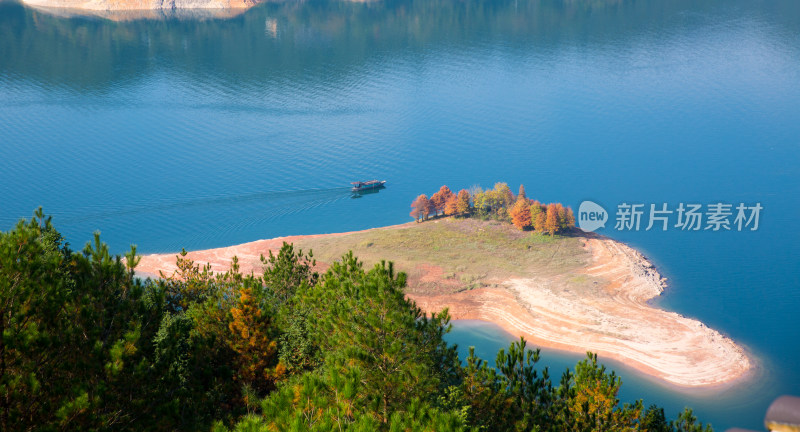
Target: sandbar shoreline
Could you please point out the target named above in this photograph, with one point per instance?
(610, 314)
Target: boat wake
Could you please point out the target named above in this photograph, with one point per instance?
(279, 203)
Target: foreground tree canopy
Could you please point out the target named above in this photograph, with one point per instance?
(86, 345)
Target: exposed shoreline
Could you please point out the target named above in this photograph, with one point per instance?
(621, 324)
(135, 9)
(612, 317)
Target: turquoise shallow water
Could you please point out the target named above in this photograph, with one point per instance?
(203, 133)
(723, 407)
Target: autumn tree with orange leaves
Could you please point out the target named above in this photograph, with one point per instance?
(439, 200)
(521, 214)
(462, 202)
(538, 216)
(561, 214)
(421, 208)
(567, 220)
(551, 220)
(252, 339)
(451, 206)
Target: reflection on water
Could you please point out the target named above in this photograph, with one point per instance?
(329, 37)
(362, 193)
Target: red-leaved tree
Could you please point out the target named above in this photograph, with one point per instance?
(420, 208)
(439, 199)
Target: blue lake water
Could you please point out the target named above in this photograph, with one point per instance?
(209, 132)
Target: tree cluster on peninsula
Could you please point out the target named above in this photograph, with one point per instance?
(496, 203)
(88, 345)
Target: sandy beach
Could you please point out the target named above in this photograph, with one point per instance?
(600, 305)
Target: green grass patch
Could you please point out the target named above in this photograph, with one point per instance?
(468, 250)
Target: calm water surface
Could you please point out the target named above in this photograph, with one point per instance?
(209, 132)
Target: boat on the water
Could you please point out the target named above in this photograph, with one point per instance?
(367, 185)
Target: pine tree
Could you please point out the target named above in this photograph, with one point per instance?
(32, 320)
(188, 283)
(75, 326)
(654, 420)
(687, 422)
(521, 194)
(298, 352)
(365, 319)
(286, 272)
(594, 404)
(252, 339)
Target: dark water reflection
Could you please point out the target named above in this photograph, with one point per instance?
(316, 38)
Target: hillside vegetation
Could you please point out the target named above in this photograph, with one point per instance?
(86, 345)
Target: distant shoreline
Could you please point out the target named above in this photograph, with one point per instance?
(594, 299)
(123, 10)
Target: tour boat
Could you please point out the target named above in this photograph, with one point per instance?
(367, 185)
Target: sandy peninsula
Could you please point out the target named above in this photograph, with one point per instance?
(582, 292)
